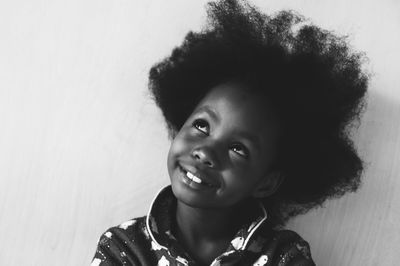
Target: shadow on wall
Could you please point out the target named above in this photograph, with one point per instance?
(358, 229)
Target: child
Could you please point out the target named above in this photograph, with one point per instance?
(259, 116)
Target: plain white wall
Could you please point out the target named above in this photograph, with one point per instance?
(82, 146)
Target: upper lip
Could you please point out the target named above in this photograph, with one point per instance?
(204, 177)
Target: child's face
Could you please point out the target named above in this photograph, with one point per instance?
(223, 152)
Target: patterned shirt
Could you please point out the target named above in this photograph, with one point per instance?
(148, 241)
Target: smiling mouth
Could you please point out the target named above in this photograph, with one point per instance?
(195, 178)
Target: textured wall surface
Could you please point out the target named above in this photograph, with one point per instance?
(82, 146)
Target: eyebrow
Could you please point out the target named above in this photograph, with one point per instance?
(207, 109)
(243, 134)
(250, 137)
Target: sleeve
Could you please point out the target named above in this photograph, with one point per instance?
(296, 254)
(287, 248)
(111, 250)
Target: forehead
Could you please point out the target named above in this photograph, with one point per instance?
(239, 109)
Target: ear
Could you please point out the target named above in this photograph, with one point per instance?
(268, 185)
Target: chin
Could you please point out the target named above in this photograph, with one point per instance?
(187, 197)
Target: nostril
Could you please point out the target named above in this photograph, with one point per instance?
(208, 163)
(203, 156)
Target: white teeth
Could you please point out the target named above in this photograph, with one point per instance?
(193, 177)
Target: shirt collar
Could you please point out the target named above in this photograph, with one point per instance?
(161, 214)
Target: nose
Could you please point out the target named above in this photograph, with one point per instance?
(206, 156)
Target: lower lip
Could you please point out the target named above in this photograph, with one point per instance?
(190, 183)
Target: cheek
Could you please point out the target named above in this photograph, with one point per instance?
(242, 179)
(237, 190)
(170, 158)
(235, 178)
(179, 146)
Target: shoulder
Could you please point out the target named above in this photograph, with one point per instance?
(122, 243)
(284, 247)
(127, 230)
(286, 236)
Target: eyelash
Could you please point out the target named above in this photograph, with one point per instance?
(201, 123)
(245, 153)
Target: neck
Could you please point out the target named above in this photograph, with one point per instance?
(206, 233)
(198, 225)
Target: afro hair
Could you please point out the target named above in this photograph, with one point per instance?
(311, 76)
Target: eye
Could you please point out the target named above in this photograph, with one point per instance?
(202, 126)
(240, 149)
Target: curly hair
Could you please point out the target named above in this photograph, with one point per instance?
(311, 76)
